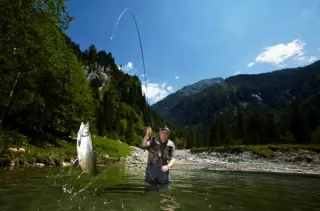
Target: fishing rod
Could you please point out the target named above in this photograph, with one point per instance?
(141, 50)
(144, 74)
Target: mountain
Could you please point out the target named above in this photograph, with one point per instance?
(164, 106)
(200, 86)
(253, 108)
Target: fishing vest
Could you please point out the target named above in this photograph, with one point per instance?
(160, 153)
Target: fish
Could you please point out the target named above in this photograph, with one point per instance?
(86, 156)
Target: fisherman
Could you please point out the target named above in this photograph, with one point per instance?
(161, 156)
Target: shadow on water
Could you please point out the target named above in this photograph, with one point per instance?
(133, 189)
(257, 173)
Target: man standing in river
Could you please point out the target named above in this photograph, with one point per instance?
(161, 156)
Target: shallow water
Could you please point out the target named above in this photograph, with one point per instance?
(123, 189)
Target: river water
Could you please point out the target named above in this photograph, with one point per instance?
(119, 188)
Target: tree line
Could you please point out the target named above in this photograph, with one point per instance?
(271, 108)
(48, 85)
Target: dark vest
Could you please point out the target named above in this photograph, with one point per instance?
(159, 153)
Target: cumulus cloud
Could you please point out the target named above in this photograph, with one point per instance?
(156, 92)
(278, 54)
(170, 88)
(177, 77)
(126, 68)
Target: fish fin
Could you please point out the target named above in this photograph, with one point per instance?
(76, 161)
(81, 126)
(78, 140)
(95, 154)
(78, 135)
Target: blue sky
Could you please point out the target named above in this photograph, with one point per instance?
(185, 41)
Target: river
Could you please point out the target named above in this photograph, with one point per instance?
(120, 188)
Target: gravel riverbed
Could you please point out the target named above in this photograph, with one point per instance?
(293, 161)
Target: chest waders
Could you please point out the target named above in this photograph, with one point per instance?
(154, 174)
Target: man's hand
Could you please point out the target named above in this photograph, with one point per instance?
(145, 142)
(148, 132)
(164, 168)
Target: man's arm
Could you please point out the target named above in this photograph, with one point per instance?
(172, 162)
(145, 141)
(173, 158)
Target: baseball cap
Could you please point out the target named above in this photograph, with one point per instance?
(165, 128)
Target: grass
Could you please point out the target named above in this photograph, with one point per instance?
(262, 150)
(62, 151)
(113, 148)
(47, 154)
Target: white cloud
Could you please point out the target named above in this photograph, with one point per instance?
(236, 73)
(156, 92)
(177, 77)
(170, 88)
(278, 54)
(130, 65)
(127, 67)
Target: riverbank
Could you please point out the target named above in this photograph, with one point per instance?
(61, 153)
(302, 159)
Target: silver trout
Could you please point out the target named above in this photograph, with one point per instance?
(87, 157)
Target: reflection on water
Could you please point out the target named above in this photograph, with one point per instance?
(123, 189)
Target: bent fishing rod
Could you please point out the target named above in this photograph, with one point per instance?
(141, 49)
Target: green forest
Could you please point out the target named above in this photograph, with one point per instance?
(48, 85)
(279, 107)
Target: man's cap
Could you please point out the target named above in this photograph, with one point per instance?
(165, 128)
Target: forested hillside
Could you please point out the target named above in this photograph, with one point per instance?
(48, 85)
(163, 107)
(276, 107)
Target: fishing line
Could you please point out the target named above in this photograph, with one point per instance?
(141, 49)
(142, 55)
(94, 178)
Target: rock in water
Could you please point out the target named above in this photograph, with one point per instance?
(86, 156)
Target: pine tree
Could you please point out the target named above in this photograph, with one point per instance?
(299, 125)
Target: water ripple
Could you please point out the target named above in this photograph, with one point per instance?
(54, 188)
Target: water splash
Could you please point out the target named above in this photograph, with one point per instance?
(92, 181)
(79, 175)
(169, 203)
